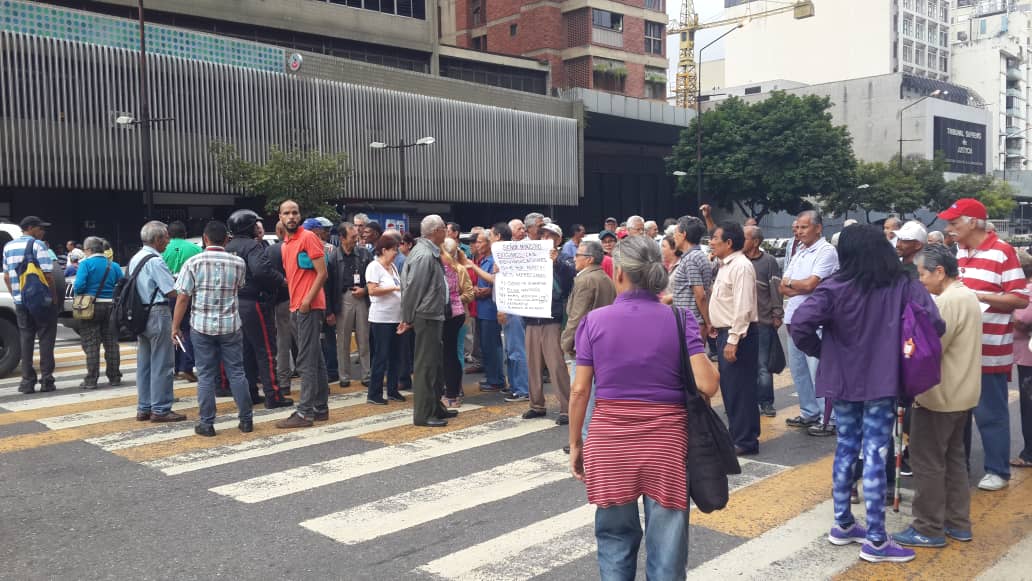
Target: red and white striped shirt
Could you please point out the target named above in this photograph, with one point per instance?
(993, 268)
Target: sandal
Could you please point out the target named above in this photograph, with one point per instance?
(1020, 463)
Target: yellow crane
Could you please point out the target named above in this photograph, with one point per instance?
(687, 86)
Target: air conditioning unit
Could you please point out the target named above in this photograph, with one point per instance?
(962, 36)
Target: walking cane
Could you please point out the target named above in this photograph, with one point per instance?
(899, 456)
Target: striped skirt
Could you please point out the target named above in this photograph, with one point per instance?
(635, 448)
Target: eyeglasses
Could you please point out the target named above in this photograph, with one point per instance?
(584, 255)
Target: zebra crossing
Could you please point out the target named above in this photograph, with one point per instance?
(489, 497)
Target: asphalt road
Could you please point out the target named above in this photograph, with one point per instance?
(89, 493)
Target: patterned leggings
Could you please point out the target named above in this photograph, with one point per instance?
(866, 423)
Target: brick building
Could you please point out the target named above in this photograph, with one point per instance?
(613, 46)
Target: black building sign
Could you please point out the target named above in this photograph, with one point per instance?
(962, 143)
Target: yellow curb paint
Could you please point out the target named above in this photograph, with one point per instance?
(771, 502)
(771, 428)
(1000, 519)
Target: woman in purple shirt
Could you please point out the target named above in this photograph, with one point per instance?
(636, 442)
(860, 311)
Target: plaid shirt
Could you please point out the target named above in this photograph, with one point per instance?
(212, 279)
(693, 270)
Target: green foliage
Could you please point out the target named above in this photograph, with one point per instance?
(890, 187)
(311, 178)
(996, 195)
(768, 156)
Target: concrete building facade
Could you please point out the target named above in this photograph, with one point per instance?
(844, 40)
(606, 45)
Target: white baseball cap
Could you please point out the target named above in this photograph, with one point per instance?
(913, 231)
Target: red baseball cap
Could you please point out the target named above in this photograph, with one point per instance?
(969, 207)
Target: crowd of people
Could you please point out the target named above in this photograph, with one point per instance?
(241, 316)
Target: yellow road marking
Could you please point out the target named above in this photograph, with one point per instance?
(1000, 519)
(771, 428)
(86, 406)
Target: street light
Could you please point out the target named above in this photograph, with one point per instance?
(698, 116)
(401, 147)
(126, 120)
(934, 93)
(680, 173)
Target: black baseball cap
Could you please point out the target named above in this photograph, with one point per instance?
(605, 234)
(32, 221)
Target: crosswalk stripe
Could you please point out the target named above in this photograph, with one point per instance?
(256, 448)
(133, 438)
(1013, 566)
(553, 542)
(79, 419)
(416, 507)
(69, 398)
(345, 468)
(84, 406)
(70, 382)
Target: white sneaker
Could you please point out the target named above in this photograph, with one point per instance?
(992, 482)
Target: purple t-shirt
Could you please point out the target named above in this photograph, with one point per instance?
(631, 345)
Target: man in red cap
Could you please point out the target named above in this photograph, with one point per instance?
(990, 267)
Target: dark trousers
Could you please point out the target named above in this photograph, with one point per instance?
(310, 365)
(184, 358)
(328, 343)
(738, 388)
(406, 359)
(258, 326)
(28, 329)
(1025, 393)
(766, 335)
(96, 332)
(427, 371)
(385, 351)
(942, 497)
(452, 365)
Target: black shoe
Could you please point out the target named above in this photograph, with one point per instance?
(821, 430)
(333, 379)
(27, 388)
(740, 451)
(396, 397)
(345, 382)
(365, 382)
(205, 430)
(294, 374)
(47, 387)
(905, 469)
(223, 393)
(246, 426)
(450, 414)
(566, 448)
(259, 399)
(563, 420)
(85, 385)
(376, 401)
(115, 382)
(433, 423)
(531, 414)
(281, 402)
(801, 422)
(768, 410)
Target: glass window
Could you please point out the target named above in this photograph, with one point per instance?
(920, 34)
(933, 33)
(944, 38)
(919, 57)
(908, 25)
(653, 37)
(908, 4)
(944, 63)
(607, 20)
(908, 53)
(944, 12)
(933, 8)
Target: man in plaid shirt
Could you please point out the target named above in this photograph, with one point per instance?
(208, 285)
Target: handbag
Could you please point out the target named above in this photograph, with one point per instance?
(776, 361)
(84, 306)
(711, 452)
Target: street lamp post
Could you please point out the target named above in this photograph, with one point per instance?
(147, 167)
(698, 117)
(934, 93)
(401, 146)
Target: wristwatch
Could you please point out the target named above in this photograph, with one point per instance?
(788, 283)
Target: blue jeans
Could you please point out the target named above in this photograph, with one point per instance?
(767, 335)
(491, 348)
(516, 355)
(618, 532)
(385, 349)
(185, 359)
(228, 350)
(154, 362)
(804, 373)
(867, 424)
(992, 416)
(462, 346)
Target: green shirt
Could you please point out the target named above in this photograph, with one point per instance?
(178, 252)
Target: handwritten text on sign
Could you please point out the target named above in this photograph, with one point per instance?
(523, 284)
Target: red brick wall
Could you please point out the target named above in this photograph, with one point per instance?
(634, 85)
(633, 35)
(578, 28)
(577, 73)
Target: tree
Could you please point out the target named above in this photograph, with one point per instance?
(890, 188)
(313, 179)
(768, 156)
(996, 195)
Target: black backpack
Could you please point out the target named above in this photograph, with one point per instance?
(130, 313)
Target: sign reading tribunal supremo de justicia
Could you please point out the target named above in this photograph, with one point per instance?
(962, 143)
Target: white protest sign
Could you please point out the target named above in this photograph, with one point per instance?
(523, 283)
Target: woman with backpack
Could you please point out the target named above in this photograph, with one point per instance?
(853, 321)
(97, 277)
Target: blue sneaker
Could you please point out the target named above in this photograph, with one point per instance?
(887, 552)
(853, 534)
(957, 535)
(912, 538)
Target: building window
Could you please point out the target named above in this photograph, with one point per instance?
(944, 12)
(908, 53)
(653, 37)
(920, 30)
(656, 5)
(753, 90)
(932, 8)
(607, 20)
(908, 4)
(655, 83)
(908, 25)
(608, 75)
(933, 34)
(944, 64)
(512, 30)
(407, 8)
(480, 42)
(919, 57)
(919, 7)
(944, 38)
(495, 75)
(476, 8)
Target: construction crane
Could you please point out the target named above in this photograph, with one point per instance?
(687, 86)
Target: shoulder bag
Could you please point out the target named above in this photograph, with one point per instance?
(711, 452)
(83, 306)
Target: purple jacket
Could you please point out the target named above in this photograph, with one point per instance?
(859, 346)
